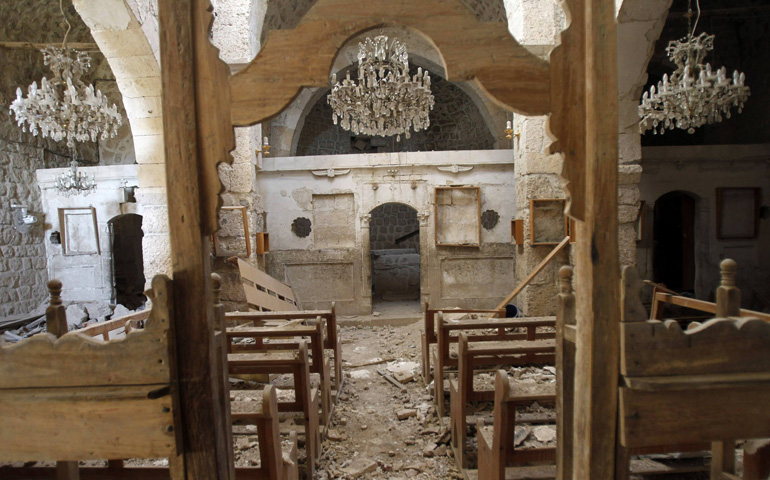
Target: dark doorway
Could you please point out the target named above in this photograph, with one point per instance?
(127, 260)
(674, 241)
(394, 233)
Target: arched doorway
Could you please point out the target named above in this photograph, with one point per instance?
(395, 252)
(127, 260)
(673, 253)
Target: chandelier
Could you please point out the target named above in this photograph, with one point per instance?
(386, 101)
(694, 94)
(75, 182)
(64, 108)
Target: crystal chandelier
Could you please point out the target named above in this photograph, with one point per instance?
(65, 108)
(75, 182)
(386, 100)
(694, 94)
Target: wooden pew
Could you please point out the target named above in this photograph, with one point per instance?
(429, 337)
(331, 335)
(313, 333)
(67, 396)
(673, 382)
(504, 329)
(660, 299)
(472, 355)
(496, 443)
(306, 399)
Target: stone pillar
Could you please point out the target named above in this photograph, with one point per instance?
(536, 25)
(125, 45)
(366, 262)
(425, 255)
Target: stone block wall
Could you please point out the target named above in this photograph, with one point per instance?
(392, 221)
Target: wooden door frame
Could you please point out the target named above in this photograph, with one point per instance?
(578, 87)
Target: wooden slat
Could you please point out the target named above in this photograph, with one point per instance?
(558, 248)
(86, 423)
(718, 346)
(264, 300)
(653, 418)
(100, 328)
(262, 279)
(701, 305)
(79, 360)
(697, 382)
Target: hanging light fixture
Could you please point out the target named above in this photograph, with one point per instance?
(386, 100)
(66, 109)
(695, 94)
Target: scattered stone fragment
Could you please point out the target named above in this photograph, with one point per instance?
(403, 377)
(360, 466)
(336, 436)
(429, 450)
(520, 435)
(405, 413)
(440, 451)
(544, 433)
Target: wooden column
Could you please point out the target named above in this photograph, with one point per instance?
(597, 270)
(56, 324)
(203, 445)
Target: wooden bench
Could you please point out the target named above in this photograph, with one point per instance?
(496, 443)
(312, 332)
(112, 419)
(502, 329)
(306, 399)
(709, 383)
(67, 396)
(472, 355)
(429, 336)
(331, 334)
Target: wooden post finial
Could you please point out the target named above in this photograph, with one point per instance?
(54, 288)
(216, 288)
(565, 279)
(729, 270)
(728, 295)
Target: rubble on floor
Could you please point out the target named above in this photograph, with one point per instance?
(79, 315)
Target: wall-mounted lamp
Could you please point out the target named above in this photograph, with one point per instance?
(129, 193)
(265, 148)
(22, 220)
(509, 131)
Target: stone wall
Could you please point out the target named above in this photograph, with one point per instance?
(699, 171)
(455, 124)
(23, 262)
(392, 221)
(321, 271)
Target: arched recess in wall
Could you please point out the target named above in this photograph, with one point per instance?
(456, 123)
(394, 235)
(127, 260)
(674, 230)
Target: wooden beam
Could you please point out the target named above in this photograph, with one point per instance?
(597, 270)
(558, 248)
(40, 46)
(203, 444)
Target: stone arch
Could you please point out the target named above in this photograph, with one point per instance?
(286, 128)
(526, 88)
(125, 45)
(456, 123)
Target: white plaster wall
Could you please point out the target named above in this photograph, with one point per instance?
(287, 186)
(86, 278)
(700, 171)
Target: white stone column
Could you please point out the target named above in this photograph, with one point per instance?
(425, 256)
(126, 47)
